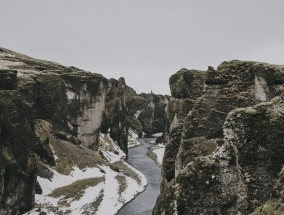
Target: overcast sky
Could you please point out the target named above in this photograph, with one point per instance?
(145, 41)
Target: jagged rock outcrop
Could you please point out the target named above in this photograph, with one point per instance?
(224, 156)
(17, 160)
(187, 86)
(115, 114)
(72, 101)
(153, 117)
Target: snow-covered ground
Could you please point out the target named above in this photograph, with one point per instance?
(137, 113)
(132, 139)
(151, 141)
(100, 190)
(158, 151)
(157, 135)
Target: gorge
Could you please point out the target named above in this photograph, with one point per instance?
(65, 133)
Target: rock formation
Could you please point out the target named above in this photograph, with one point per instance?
(72, 101)
(17, 160)
(46, 106)
(225, 153)
(154, 117)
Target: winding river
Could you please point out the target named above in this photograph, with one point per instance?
(143, 204)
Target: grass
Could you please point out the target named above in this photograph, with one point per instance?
(75, 190)
(127, 171)
(122, 183)
(93, 207)
(68, 154)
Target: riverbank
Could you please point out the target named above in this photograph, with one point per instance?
(101, 185)
(144, 202)
(156, 153)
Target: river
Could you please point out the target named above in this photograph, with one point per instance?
(144, 203)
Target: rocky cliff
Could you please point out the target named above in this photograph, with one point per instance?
(225, 153)
(70, 105)
(154, 115)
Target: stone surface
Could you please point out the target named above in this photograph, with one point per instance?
(17, 160)
(153, 117)
(73, 102)
(226, 155)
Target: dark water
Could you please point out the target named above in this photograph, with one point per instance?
(144, 203)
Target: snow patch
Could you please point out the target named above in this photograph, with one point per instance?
(137, 113)
(132, 139)
(110, 149)
(159, 151)
(261, 89)
(106, 193)
(157, 135)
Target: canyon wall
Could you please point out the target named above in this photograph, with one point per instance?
(71, 100)
(225, 153)
(72, 106)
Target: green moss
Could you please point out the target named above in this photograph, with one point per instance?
(271, 207)
(276, 100)
(250, 111)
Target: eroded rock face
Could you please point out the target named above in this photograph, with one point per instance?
(72, 101)
(227, 159)
(17, 160)
(153, 117)
(115, 116)
(178, 107)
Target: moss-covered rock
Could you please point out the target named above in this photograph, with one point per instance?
(230, 153)
(153, 116)
(17, 160)
(186, 83)
(8, 79)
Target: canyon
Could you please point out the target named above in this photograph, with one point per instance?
(65, 134)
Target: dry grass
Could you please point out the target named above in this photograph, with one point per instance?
(75, 190)
(127, 171)
(122, 183)
(68, 154)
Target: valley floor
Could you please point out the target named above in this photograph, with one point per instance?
(99, 189)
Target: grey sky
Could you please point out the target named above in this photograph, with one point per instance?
(146, 41)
